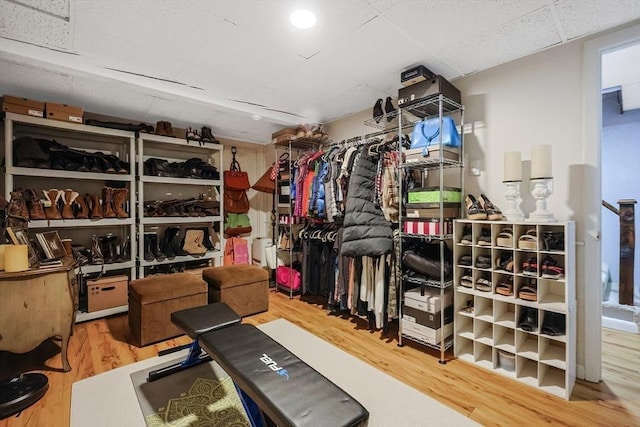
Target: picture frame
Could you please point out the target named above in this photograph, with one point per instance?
(55, 248)
(19, 236)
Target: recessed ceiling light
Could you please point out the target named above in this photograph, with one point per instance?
(256, 117)
(303, 19)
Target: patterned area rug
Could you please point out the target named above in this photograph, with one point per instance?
(203, 395)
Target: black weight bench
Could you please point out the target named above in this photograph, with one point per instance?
(286, 391)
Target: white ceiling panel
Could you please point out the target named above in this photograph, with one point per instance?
(270, 20)
(219, 62)
(582, 17)
(443, 24)
(24, 23)
(518, 38)
(58, 8)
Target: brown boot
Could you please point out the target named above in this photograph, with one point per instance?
(107, 203)
(52, 197)
(120, 196)
(96, 207)
(69, 198)
(34, 204)
(17, 206)
(83, 210)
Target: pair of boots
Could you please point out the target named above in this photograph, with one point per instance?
(164, 128)
(112, 204)
(106, 250)
(166, 248)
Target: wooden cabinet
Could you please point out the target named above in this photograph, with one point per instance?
(36, 305)
(514, 300)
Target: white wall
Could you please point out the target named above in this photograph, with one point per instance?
(512, 107)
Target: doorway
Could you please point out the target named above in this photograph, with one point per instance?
(619, 147)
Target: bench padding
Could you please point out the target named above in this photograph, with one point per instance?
(198, 320)
(297, 396)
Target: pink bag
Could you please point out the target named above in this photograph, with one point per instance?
(240, 251)
(287, 276)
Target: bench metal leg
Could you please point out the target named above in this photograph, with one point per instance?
(252, 410)
(195, 357)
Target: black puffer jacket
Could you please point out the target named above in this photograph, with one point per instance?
(366, 231)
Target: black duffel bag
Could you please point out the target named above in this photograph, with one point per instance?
(428, 267)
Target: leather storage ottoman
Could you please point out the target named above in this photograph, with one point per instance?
(154, 298)
(244, 288)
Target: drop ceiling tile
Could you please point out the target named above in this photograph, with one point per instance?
(270, 20)
(59, 8)
(382, 5)
(518, 38)
(26, 24)
(348, 102)
(581, 17)
(445, 23)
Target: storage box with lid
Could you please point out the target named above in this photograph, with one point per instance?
(431, 213)
(422, 333)
(107, 292)
(432, 152)
(64, 112)
(428, 89)
(424, 318)
(428, 299)
(432, 195)
(428, 226)
(28, 107)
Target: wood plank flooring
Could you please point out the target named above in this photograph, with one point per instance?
(101, 345)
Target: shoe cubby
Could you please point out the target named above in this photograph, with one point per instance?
(483, 354)
(465, 348)
(553, 353)
(504, 314)
(527, 371)
(505, 362)
(465, 306)
(483, 332)
(543, 360)
(483, 309)
(504, 338)
(464, 326)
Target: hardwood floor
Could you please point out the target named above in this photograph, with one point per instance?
(487, 398)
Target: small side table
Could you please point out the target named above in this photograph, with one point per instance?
(38, 304)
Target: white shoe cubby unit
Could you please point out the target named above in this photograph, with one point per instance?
(528, 333)
(164, 188)
(89, 139)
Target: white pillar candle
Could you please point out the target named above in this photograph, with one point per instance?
(512, 166)
(16, 258)
(2, 256)
(541, 161)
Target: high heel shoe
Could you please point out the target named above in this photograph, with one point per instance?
(390, 110)
(492, 211)
(474, 209)
(377, 111)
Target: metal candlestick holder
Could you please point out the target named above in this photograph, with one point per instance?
(512, 194)
(541, 191)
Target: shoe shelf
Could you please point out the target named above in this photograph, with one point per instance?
(167, 188)
(517, 316)
(64, 223)
(184, 181)
(179, 219)
(183, 258)
(54, 173)
(82, 141)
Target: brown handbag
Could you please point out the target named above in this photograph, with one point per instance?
(235, 179)
(265, 184)
(236, 201)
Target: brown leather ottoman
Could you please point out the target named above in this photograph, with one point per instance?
(244, 288)
(154, 298)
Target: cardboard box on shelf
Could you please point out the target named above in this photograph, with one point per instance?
(432, 195)
(424, 318)
(432, 153)
(423, 333)
(28, 107)
(283, 135)
(64, 112)
(416, 74)
(107, 292)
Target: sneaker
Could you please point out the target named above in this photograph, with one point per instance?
(551, 269)
(530, 267)
(485, 237)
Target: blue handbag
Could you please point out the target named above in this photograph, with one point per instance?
(427, 133)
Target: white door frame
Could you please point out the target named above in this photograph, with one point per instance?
(592, 201)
